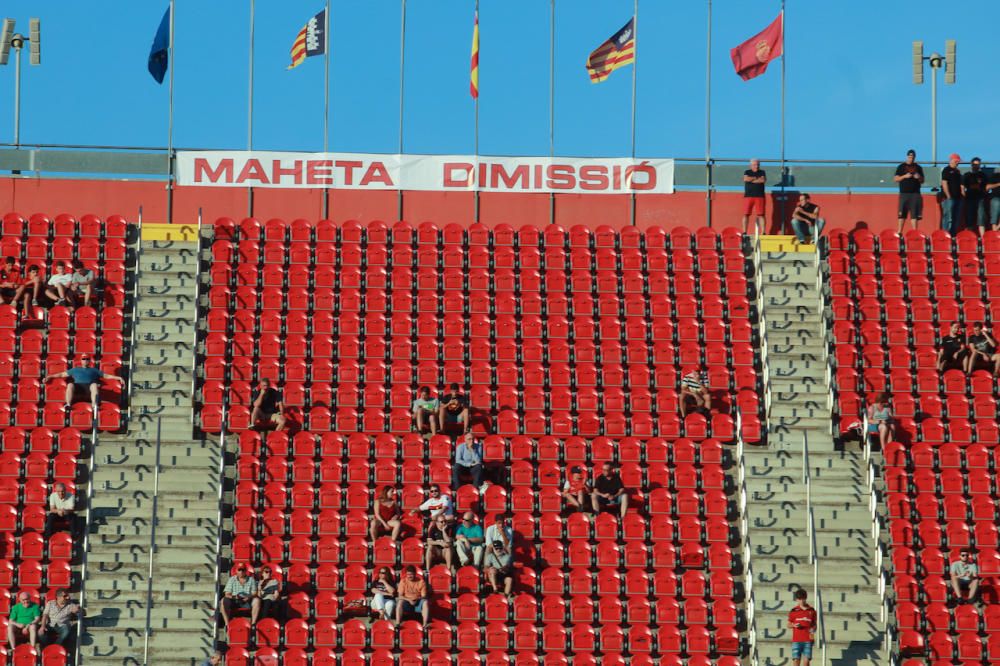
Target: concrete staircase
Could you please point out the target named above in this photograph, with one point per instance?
(173, 514)
(797, 383)
(779, 554)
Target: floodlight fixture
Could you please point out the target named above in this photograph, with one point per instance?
(949, 61)
(6, 33)
(35, 41)
(936, 62)
(918, 63)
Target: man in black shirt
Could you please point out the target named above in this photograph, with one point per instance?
(993, 190)
(952, 351)
(951, 193)
(910, 175)
(806, 222)
(754, 180)
(982, 349)
(454, 409)
(974, 189)
(268, 408)
(609, 491)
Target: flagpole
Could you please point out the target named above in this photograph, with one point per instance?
(402, 70)
(552, 101)
(326, 100)
(708, 119)
(170, 119)
(784, 46)
(475, 176)
(635, 66)
(250, 106)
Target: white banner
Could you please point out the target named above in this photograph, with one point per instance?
(435, 173)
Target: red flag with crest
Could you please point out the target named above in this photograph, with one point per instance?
(752, 56)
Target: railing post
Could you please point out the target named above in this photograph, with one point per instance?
(91, 466)
(218, 524)
(152, 546)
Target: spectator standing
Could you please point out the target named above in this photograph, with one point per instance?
(454, 409)
(268, 407)
(806, 222)
(880, 419)
(29, 287)
(951, 194)
(910, 175)
(411, 596)
(802, 622)
(388, 515)
(61, 509)
(84, 378)
(576, 488)
(82, 284)
(982, 349)
(439, 544)
(694, 389)
(269, 593)
(425, 411)
(964, 576)
(437, 504)
(59, 619)
(384, 594)
(993, 192)
(974, 190)
(469, 541)
(25, 617)
(60, 284)
(468, 460)
(499, 560)
(609, 491)
(754, 202)
(240, 593)
(953, 348)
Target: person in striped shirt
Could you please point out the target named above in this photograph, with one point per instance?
(694, 389)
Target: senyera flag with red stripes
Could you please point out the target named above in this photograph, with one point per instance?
(310, 41)
(616, 52)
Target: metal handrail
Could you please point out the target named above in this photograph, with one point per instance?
(152, 546)
(135, 314)
(91, 466)
(218, 524)
(813, 547)
(744, 529)
(197, 297)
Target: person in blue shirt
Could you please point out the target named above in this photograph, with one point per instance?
(468, 460)
(84, 378)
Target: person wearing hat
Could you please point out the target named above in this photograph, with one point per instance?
(85, 378)
(951, 194)
(910, 176)
(974, 190)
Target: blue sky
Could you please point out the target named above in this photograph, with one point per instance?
(849, 89)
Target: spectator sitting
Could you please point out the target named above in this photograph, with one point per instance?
(268, 407)
(10, 280)
(982, 348)
(468, 460)
(83, 283)
(25, 617)
(86, 378)
(384, 594)
(59, 619)
(694, 388)
(469, 541)
(240, 593)
(61, 509)
(754, 203)
(437, 504)
(952, 351)
(499, 560)
(609, 491)
(29, 287)
(454, 409)
(964, 577)
(576, 488)
(806, 222)
(388, 515)
(269, 593)
(214, 660)
(880, 421)
(411, 596)
(439, 544)
(60, 285)
(425, 412)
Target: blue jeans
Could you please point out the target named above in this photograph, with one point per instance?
(975, 213)
(950, 215)
(995, 209)
(800, 650)
(803, 230)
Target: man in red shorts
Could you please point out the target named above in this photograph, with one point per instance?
(754, 180)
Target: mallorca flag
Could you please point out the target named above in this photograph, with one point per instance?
(752, 56)
(612, 54)
(474, 75)
(310, 41)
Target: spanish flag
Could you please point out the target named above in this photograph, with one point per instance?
(310, 41)
(474, 75)
(617, 51)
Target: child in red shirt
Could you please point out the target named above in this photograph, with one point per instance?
(802, 622)
(576, 488)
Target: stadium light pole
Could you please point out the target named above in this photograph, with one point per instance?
(9, 39)
(936, 61)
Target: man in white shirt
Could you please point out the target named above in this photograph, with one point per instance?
(436, 504)
(59, 284)
(82, 283)
(61, 509)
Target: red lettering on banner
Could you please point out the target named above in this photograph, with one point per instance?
(224, 170)
(348, 166)
(594, 177)
(616, 178)
(377, 173)
(510, 180)
(278, 172)
(561, 177)
(318, 172)
(252, 170)
(649, 183)
(538, 177)
(463, 168)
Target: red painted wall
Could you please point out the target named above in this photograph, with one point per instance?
(108, 197)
